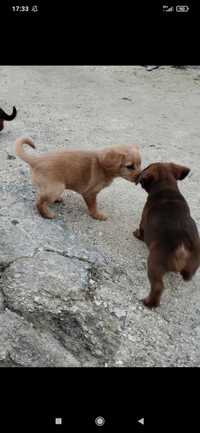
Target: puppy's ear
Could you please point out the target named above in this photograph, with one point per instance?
(145, 179)
(179, 171)
(112, 159)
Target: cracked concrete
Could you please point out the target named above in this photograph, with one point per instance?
(71, 288)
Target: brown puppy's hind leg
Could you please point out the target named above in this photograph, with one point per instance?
(155, 274)
(92, 208)
(191, 267)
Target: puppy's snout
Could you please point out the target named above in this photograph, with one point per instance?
(136, 176)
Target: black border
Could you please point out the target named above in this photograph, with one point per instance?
(109, 37)
(77, 34)
(165, 397)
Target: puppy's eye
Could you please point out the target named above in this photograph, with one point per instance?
(130, 167)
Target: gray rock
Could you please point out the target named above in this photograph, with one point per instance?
(56, 293)
(23, 346)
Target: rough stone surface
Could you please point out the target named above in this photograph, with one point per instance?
(71, 288)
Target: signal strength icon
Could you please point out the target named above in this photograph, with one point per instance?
(168, 8)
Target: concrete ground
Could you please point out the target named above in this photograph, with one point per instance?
(71, 288)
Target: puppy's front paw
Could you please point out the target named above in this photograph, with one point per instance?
(50, 215)
(99, 216)
(59, 200)
(150, 302)
(137, 233)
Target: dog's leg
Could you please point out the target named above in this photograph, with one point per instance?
(153, 299)
(155, 274)
(49, 196)
(191, 267)
(42, 205)
(139, 233)
(187, 275)
(59, 200)
(92, 208)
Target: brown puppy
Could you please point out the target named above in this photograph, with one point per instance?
(167, 227)
(7, 117)
(86, 172)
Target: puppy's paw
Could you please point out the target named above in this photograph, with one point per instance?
(187, 276)
(150, 302)
(99, 216)
(59, 200)
(50, 215)
(138, 235)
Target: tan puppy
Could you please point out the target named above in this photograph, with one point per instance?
(86, 172)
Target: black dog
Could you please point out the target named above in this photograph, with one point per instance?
(7, 117)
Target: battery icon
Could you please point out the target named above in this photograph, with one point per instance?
(183, 8)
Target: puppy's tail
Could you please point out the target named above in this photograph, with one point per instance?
(20, 150)
(180, 258)
(6, 116)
